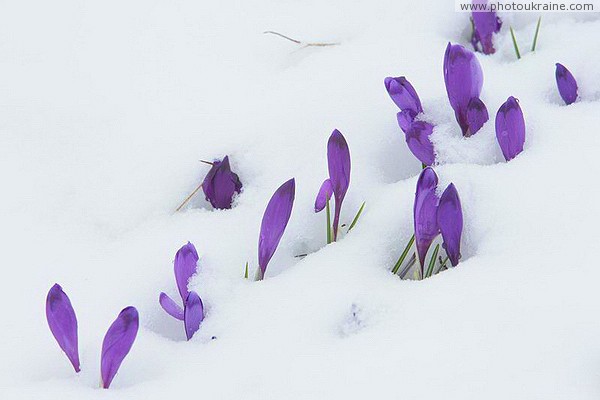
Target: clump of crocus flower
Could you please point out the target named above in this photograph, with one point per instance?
(116, 344)
(463, 77)
(433, 216)
(485, 25)
(192, 313)
(510, 128)
(417, 132)
(220, 185)
(274, 221)
(567, 85)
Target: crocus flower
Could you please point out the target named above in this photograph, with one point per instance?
(193, 314)
(324, 195)
(403, 94)
(170, 306)
(477, 114)
(510, 128)
(338, 163)
(464, 79)
(567, 86)
(450, 221)
(63, 323)
(117, 343)
(275, 219)
(186, 261)
(417, 135)
(485, 24)
(220, 184)
(425, 213)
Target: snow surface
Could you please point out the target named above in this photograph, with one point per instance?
(107, 108)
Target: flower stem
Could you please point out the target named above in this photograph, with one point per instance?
(537, 30)
(246, 272)
(514, 40)
(432, 261)
(355, 220)
(411, 261)
(403, 255)
(328, 210)
(188, 198)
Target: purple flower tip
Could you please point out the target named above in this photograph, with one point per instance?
(324, 195)
(403, 94)
(510, 128)
(275, 219)
(63, 323)
(463, 77)
(450, 221)
(485, 24)
(193, 314)
(186, 261)
(221, 184)
(338, 162)
(418, 139)
(477, 115)
(169, 305)
(425, 213)
(567, 85)
(117, 342)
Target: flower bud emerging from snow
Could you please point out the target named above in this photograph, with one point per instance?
(117, 342)
(170, 306)
(417, 135)
(510, 128)
(464, 79)
(185, 265)
(485, 24)
(324, 195)
(425, 213)
(450, 221)
(193, 314)
(220, 184)
(275, 219)
(567, 86)
(403, 94)
(63, 323)
(338, 163)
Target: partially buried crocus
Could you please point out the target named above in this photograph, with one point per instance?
(425, 213)
(193, 314)
(221, 184)
(274, 221)
(324, 195)
(417, 135)
(463, 77)
(567, 85)
(186, 262)
(338, 163)
(510, 128)
(485, 24)
(403, 94)
(450, 222)
(63, 323)
(117, 342)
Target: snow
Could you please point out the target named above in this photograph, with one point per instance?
(107, 108)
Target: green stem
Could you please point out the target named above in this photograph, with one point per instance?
(514, 40)
(423, 165)
(329, 235)
(246, 272)
(411, 261)
(403, 255)
(537, 30)
(355, 220)
(432, 261)
(443, 263)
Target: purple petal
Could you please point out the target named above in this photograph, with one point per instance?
(117, 343)
(510, 128)
(485, 24)
(418, 141)
(275, 219)
(425, 210)
(63, 323)
(324, 195)
(477, 115)
(403, 94)
(450, 221)
(567, 85)
(220, 184)
(338, 162)
(169, 305)
(405, 120)
(464, 79)
(194, 314)
(186, 261)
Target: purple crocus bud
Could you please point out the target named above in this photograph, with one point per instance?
(194, 314)
(425, 212)
(186, 261)
(220, 184)
(63, 323)
(275, 219)
(169, 305)
(405, 120)
(418, 138)
(450, 221)
(510, 128)
(117, 342)
(485, 24)
(404, 95)
(338, 163)
(464, 79)
(324, 195)
(567, 85)
(477, 114)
